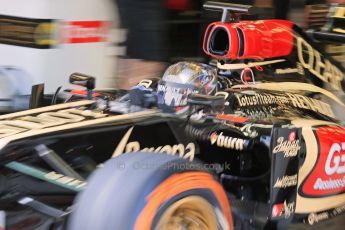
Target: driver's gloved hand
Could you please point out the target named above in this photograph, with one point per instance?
(141, 96)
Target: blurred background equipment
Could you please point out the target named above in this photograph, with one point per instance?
(121, 42)
(328, 18)
(145, 43)
(45, 41)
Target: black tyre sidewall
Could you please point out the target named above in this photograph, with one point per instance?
(116, 194)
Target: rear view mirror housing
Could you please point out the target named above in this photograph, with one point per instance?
(83, 80)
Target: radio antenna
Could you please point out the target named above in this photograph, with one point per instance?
(230, 12)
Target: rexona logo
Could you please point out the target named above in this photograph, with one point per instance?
(183, 151)
(226, 142)
(328, 175)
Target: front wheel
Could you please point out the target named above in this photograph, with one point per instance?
(144, 191)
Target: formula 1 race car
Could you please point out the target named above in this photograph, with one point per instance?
(255, 142)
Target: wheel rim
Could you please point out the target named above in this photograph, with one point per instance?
(190, 213)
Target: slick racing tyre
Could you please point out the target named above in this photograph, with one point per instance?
(143, 191)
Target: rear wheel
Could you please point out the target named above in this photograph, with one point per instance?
(152, 191)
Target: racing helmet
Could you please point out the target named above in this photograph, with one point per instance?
(182, 79)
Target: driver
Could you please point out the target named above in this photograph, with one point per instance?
(182, 79)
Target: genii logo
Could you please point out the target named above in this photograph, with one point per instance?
(328, 175)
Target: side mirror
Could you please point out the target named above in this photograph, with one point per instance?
(36, 97)
(85, 81)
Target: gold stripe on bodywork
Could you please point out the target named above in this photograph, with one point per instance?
(46, 109)
(116, 118)
(292, 87)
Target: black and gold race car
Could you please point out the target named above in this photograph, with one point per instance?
(254, 141)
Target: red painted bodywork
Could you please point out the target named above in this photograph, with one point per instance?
(83, 93)
(261, 39)
(328, 175)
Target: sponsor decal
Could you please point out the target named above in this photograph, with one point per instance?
(61, 179)
(328, 175)
(45, 33)
(183, 151)
(284, 167)
(335, 162)
(44, 120)
(294, 100)
(283, 210)
(315, 218)
(329, 184)
(226, 142)
(277, 210)
(338, 210)
(85, 31)
(299, 69)
(51, 177)
(286, 181)
(258, 113)
(318, 65)
(28, 32)
(289, 147)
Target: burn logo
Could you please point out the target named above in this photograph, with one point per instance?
(227, 142)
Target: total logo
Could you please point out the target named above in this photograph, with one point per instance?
(283, 209)
(328, 175)
(226, 142)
